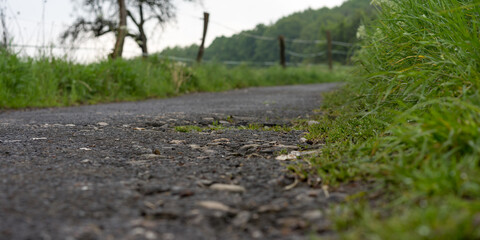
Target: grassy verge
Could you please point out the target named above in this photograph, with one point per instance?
(299, 125)
(411, 126)
(48, 82)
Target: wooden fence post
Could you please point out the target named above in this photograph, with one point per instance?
(329, 52)
(206, 17)
(283, 61)
(121, 32)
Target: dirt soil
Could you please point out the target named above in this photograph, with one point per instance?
(122, 171)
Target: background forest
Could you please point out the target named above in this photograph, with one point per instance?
(305, 33)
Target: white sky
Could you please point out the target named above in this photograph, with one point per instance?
(28, 27)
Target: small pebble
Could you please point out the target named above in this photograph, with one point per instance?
(204, 182)
(228, 188)
(241, 219)
(212, 205)
(150, 156)
(194, 146)
(177, 142)
(312, 215)
(40, 138)
(86, 161)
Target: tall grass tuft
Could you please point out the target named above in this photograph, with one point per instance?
(412, 125)
(50, 81)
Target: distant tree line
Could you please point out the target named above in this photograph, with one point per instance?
(342, 22)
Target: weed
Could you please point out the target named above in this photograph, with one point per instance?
(188, 128)
(230, 119)
(282, 152)
(251, 126)
(216, 126)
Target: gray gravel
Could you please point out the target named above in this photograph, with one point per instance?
(121, 171)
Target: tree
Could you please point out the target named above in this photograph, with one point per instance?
(4, 43)
(260, 44)
(122, 30)
(101, 18)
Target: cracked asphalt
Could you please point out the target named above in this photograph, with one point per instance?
(122, 171)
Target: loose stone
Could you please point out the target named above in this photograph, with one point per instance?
(150, 156)
(102, 124)
(241, 219)
(213, 205)
(312, 215)
(194, 146)
(286, 157)
(227, 188)
(248, 149)
(177, 142)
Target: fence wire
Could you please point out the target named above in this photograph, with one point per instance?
(188, 60)
(228, 62)
(270, 38)
(55, 47)
(303, 55)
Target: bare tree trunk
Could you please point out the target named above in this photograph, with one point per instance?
(121, 32)
(143, 43)
(4, 32)
(142, 38)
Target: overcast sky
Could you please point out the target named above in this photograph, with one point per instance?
(29, 26)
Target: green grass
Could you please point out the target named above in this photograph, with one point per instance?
(409, 127)
(299, 125)
(45, 82)
(277, 128)
(189, 128)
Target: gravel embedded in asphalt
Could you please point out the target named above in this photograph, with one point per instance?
(122, 171)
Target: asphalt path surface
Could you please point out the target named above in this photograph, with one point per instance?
(123, 171)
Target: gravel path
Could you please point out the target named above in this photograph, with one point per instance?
(122, 171)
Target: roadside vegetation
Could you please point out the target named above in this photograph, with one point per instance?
(46, 82)
(51, 81)
(409, 128)
(298, 125)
